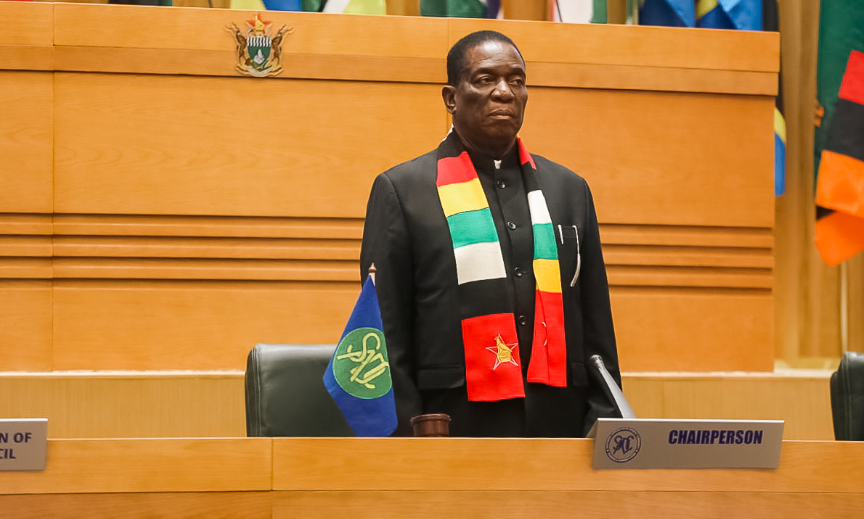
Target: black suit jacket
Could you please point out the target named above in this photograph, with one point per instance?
(407, 238)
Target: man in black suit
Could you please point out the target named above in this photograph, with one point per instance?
(489, 271)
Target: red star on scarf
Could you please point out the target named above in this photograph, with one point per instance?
(503, 352)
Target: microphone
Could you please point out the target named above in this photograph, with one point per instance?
(617, 394)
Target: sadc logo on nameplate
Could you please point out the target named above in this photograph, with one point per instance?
(23, 444)
(644, 443)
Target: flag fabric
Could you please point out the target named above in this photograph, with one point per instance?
(841, 31)
(578, 11)
(744, 15)
(771, 22)
(668, 13)
(283, 5)
(494, 9)
(356, 6)
(458, 8)
(249, 5)
(840, 185)
(358, 376)
(278, 5)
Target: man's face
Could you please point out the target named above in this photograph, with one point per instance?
(489, 102)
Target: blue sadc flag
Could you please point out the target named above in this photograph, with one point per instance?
(283, 5)
(744, 15)
(667, 13)
(358, 376)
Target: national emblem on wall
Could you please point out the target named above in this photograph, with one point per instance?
(259, 50)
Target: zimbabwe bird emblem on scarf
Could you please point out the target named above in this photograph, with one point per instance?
(259, 51)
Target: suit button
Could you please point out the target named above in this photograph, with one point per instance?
(518, 272)
(523, 320)
(511, 226)
(501, 184)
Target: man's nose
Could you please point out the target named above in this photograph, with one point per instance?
(502, 90)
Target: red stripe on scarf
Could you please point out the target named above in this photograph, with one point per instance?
(485, 380)
(524, 156)
(549, 350)
(454, 170)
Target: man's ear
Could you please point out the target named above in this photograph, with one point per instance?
(448, 94)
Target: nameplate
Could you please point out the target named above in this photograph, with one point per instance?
(647, 443)
(23, 444)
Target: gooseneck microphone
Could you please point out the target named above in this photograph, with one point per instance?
(617, 394)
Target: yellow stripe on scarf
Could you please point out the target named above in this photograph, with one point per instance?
(462, 197)
(547, 275)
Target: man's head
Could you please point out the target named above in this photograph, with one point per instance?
(486, 93)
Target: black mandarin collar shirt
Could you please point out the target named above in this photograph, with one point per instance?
(504, 187)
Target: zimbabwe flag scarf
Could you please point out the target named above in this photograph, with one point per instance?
(492, 366)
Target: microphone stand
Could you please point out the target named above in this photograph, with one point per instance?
(617, 394)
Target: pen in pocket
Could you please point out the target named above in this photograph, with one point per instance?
(578, 255)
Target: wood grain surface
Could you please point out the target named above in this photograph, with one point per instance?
(328, 478)
(147, 465)
(168, 404)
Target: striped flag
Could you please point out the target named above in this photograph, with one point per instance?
(277, 5)
(578, 11)
(668, 13)
(840, 185)
(356, 6)
(744, 15)
(358, 376)
(457, 8)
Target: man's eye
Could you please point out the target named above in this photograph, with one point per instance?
(518, 81)
(484, 80)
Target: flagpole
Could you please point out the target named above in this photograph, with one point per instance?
(844, 308)
(372, 272)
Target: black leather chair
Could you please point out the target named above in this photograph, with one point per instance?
(847, 398)
(285, 393)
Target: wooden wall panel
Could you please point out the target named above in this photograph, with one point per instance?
(514, 504)
(26, 298)
(676, 61)
(540, 464)
(27, 24)
(26, 141)
(327, 478)
(138, 325)
(799, 397)
(178, 505)
(692, 330)
(660, 158)
(210, 404)
(78, 25)
(26, 344)
(640, 46)
(26, 201)
(129, 404)
(217, 146)
(148, 465)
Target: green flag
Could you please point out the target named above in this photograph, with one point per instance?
(453, 8)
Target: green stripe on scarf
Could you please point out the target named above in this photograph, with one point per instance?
(472, 227)
(544, 242)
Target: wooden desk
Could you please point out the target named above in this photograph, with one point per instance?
(397, 478)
